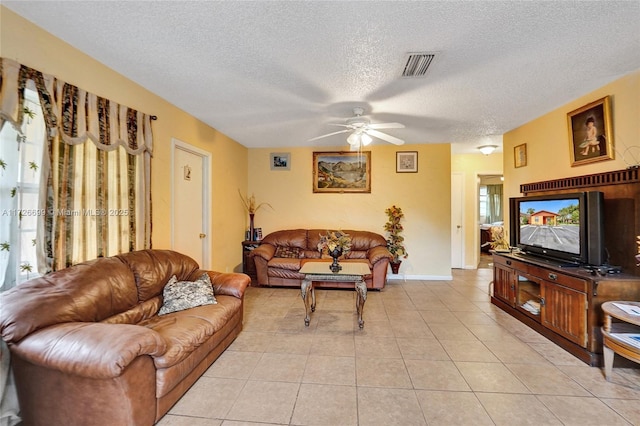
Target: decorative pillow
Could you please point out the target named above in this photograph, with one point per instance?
(181, 295)
(288, 252)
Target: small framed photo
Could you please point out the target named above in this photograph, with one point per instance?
(280, 160)
(520, 155)
(407, 162)
(591, 133)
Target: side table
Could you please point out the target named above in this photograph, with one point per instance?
(613, 333)
(248, 264)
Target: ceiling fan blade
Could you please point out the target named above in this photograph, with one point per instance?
(329, 134)
(386, 126)
(385, 137)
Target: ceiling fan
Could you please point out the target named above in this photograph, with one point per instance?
(362, 129)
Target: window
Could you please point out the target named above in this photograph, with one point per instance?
(21, 158)
(483, 203)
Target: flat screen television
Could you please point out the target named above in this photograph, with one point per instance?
(565, 228)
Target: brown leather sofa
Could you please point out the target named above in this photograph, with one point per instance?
(281, 254)
(88, 348)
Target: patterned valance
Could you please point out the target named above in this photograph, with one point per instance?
(73, 113)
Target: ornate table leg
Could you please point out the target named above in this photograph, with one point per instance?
(361, 297)
(606, 351)
(306, 289)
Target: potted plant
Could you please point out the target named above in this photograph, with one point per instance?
(335, 244)
(395, 241)
(251, 206)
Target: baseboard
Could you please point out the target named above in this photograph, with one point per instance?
(404, 277)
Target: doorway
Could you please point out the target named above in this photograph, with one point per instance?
(490, 213)
(457, 220)
(191, 202)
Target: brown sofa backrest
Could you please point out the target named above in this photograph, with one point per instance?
(307, 240)
(90, 291)
(152, 269)
(287, 238)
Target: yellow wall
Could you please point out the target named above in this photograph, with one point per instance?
(424, 198)
(471, 166)
(548, 155)
(30, 45)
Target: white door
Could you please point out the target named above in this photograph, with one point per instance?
(457, 217)
(190, 219)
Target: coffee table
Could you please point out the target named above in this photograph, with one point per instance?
(319, 271)
(613, 333)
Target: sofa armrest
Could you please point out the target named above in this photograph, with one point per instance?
(88, 349)
(229, 283)
(265, 251)
(378, 253)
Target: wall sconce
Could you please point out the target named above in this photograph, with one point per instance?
(487, 149)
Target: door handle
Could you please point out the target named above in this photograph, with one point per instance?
(459, 226)
(202, 236)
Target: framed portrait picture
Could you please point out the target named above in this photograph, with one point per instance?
(280, 160)
(407, 162)
(520, 155)
(591, 133)
(342, 171)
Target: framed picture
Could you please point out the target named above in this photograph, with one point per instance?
(280, 160)
(407, 162)
(342, 171)
(590, 133)
(520, 155)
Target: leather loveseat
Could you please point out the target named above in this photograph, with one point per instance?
(281, 254)
(88, 347)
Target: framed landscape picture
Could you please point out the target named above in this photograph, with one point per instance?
(591, 133)
(343, 171)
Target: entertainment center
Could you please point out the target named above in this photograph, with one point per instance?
(558, 282)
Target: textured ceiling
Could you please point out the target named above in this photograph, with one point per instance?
(274, 74)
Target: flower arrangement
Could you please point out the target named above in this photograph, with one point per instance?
(499, 239)
(334, 240)
(394, 228)
(250, 204)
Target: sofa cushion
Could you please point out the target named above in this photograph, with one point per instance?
(138, 313)
(85, 292)
(153, 268)
(287, 238)
(288, 252)
(184, 331)
(284, 263)
(181, 295)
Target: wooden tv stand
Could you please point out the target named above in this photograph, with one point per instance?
(569, 300)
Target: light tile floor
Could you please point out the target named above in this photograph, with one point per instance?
(430, 353)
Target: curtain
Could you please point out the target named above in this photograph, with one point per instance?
(96, 172)
(95, 182)
(494, 203)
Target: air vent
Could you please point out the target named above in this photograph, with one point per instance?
(417, 64)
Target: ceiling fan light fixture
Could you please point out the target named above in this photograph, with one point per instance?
(353, 139)
(365, 139)
(487, 149)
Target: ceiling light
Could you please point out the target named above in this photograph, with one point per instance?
(354, 139)
(366, 139)
(487, 149)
